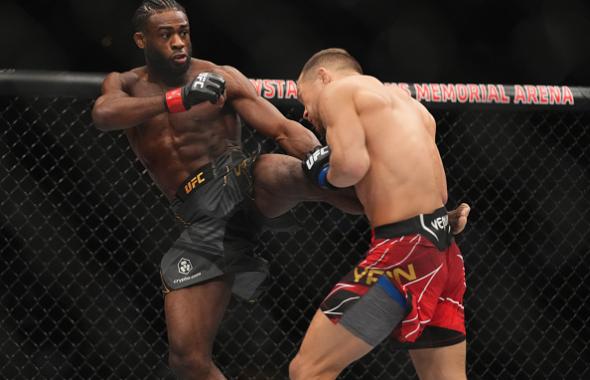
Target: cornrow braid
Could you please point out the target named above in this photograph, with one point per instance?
(150, 7)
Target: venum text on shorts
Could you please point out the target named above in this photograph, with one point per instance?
(440, 223)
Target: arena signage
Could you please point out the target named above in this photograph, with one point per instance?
(489, 93)
(283, 92)
(275, 88)
(457, 93)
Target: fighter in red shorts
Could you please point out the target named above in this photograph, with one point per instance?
(411, 283)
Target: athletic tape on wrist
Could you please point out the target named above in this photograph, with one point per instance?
(174, 101)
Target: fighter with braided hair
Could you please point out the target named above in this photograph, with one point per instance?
(182, 118)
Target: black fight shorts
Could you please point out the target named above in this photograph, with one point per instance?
(216, 208)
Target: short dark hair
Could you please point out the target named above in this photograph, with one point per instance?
(151, 7)
(334, 57)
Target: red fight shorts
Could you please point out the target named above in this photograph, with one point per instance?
(431, 280)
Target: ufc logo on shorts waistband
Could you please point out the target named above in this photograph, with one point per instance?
(196, 180)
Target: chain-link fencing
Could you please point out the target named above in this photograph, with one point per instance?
(83, 230)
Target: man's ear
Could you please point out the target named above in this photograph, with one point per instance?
(139, 39)
(324, 75)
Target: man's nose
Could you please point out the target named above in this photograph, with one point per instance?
(177, 42)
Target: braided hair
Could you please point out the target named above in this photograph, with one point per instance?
(151, 7)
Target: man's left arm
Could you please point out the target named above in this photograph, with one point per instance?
(349, 159)
(261, 115)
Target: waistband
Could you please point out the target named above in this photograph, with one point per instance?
(435, 227)
(196, 180)
(219, 167)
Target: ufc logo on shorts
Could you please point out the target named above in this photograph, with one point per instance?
(313, 158)
(198, 179)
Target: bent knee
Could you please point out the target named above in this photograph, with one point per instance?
(273, 168)
(297, 368)
(304, 368)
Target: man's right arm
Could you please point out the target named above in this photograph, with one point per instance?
(116, 109)
(345, 134)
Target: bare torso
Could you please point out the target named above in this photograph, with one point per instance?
(173, 146)
(406, 176)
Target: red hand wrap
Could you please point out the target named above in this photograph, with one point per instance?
(174, 101)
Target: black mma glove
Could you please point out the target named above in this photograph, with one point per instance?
(205, 86)
(316, 166)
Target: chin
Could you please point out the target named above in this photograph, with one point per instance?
(177, 69)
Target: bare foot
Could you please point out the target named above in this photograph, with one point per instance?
(458, 218)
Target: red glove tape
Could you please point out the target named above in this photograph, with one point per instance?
(174, 101)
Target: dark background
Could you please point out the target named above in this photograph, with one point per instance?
(526, 41)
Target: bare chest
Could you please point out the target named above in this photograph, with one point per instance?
(202, 121)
